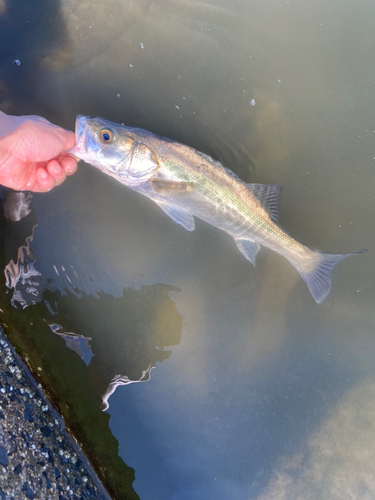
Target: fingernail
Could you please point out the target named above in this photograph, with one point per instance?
(69, 164)
(43, 174)
(57, 169)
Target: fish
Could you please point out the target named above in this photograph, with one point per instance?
(186, 183)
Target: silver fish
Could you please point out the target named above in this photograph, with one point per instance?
(185, 182)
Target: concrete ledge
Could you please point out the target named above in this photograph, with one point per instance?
(38, 458)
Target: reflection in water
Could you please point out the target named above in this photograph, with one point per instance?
(19, 82)
(81, 346)
(119, 340)
(128, 334)
(77, 343)
(125, 343)
(18, 225)
(267, 325)
(123, 380)
(337, 461)
(272, 151)
(26, 282)
(16, 205)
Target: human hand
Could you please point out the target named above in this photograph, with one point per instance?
(32, 153)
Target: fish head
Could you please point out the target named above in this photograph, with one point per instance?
(115, 149)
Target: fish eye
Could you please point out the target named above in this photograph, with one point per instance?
(106, 135)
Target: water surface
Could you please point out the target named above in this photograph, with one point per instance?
(249, 389)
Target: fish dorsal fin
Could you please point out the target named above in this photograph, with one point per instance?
(269, 196)
(179, 216)
(215, 162)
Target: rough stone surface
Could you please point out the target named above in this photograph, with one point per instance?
(38, 458)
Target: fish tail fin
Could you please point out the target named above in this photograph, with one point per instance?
(319, 279)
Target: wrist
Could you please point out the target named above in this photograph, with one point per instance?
(8, 124)
(7, 143)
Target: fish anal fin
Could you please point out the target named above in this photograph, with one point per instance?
(184, 218)
(249, 249)
(269, 196)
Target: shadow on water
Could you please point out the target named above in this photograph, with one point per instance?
(125, 336)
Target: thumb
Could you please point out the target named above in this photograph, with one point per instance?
(69, 139)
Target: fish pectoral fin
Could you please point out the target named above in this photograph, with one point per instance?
(269, 195)
(164, 187)
(249, 248)
(179, 216)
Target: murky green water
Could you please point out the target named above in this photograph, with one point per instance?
(251, 390)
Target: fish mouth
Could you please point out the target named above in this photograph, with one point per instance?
(80, 149)
(81, 136)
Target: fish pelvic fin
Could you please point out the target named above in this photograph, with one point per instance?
(319, 279)
(184, 218)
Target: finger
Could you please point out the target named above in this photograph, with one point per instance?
(44, 179)
(75, 157)
(69, 139)
(69, 164)
(57, 171)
